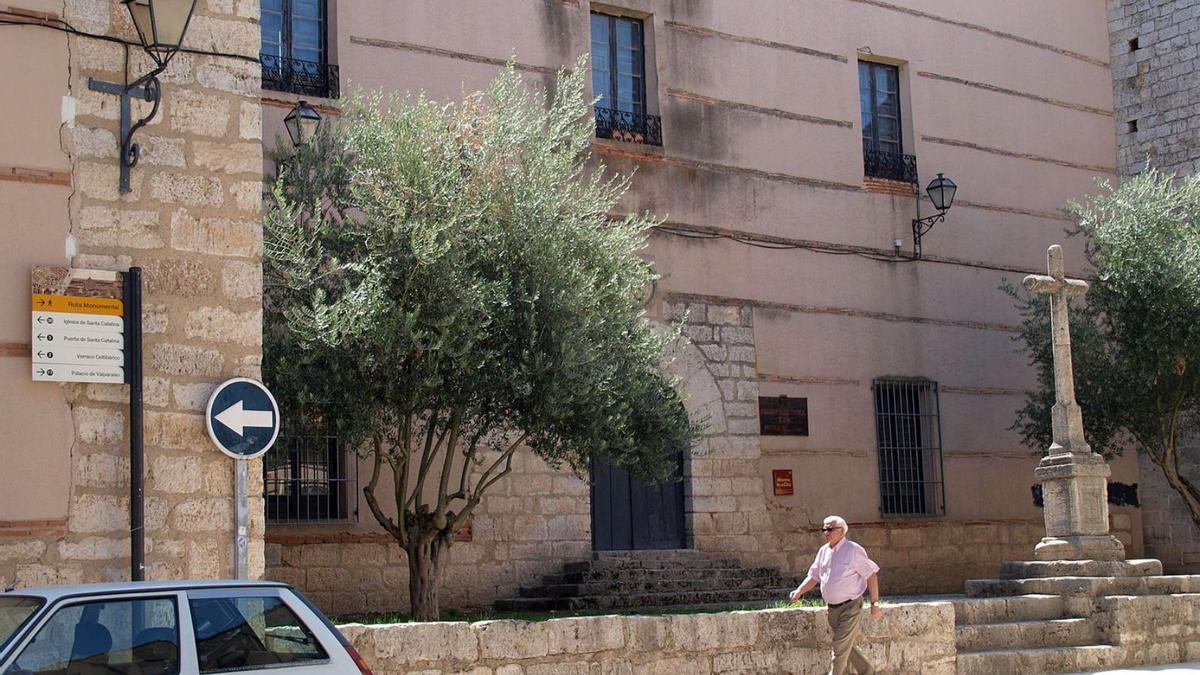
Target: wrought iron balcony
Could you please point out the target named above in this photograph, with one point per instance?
(299, 77)
(889, 165)
(630, 127)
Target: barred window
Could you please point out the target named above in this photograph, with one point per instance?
(909, 433)
(310, 479)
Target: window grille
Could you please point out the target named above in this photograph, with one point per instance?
(909, 434)
(310, 479)
(619, 81)
(294, 55)
(883, 142)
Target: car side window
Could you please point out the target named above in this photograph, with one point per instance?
(124, 637)
(239, 632)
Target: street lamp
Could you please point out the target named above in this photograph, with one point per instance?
(941, 192)
(302, 123)
(161, 25)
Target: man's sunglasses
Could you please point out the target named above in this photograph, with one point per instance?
(830, 529)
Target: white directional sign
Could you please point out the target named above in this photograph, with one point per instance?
(54, 372)
(79, 356)
(84, 322)
(78, 325)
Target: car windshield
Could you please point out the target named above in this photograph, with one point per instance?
(15, 610)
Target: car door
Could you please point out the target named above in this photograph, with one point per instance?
(261, 630)
(145, 633)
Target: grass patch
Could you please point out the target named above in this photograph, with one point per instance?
(486, 615)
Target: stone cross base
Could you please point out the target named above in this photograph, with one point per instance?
(1098, 547)
(1075, 508)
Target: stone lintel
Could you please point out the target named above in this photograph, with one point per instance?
(1040, 569)
(1079, 548)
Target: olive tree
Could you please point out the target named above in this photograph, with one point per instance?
(1136, 341)
(445, 288)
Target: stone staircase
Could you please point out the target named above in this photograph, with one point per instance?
(1038, 617)
(618, 580)
(1025, 634)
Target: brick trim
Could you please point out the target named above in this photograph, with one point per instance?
(33, 528)
(15, 349)
(22, 174)
(285, 539)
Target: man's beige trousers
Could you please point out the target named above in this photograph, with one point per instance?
(844, 622)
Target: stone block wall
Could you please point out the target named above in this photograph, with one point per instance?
(1170, 534)
(724, 498)
(911, 638)
(528, 525)
(193, 223)
(1156, 83)
(1151, 629)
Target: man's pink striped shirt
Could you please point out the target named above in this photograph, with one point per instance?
(842, 571)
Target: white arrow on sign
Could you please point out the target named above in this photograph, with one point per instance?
(237, 418)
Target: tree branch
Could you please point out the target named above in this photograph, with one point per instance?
(443, 483)
(369, 492)
(486, 481)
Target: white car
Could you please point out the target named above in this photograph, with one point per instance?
(169, 628)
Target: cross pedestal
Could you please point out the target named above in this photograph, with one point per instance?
(1074, 479)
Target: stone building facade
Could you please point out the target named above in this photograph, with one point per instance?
(789, 251)
(192, 222)
(1155, 49)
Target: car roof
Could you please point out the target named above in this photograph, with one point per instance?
(55, 592)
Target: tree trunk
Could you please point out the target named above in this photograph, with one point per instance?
(1181, 485)
(425, 576)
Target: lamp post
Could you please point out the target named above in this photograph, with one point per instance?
(941, 192)
(302, 124)
(161, 25)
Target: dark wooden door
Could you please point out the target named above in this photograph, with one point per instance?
(628, 514)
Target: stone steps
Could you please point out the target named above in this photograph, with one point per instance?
(620, 580)
(669, 585)
(969, 611)
(1033, 634)
(1085, 586)
(1039, 660)
(1031, 569)
(645, 600)
(634, 575)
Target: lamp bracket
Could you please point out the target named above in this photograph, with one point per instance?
(921, 226)
(146, 88)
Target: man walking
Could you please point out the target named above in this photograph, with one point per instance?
(844, 572)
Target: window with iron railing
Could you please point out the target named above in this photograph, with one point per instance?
(294, 53)
(619, 81)
(310, 479)
(883, 142)
(909, 434)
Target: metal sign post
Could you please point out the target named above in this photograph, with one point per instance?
(243, 421)
(87, 327)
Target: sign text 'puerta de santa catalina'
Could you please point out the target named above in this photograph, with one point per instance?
(78, 325)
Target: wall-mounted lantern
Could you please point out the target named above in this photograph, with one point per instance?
(941, 192)
(161, 25)
(302, 124)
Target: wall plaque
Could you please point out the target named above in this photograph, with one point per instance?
(782, 416)
(782, 479)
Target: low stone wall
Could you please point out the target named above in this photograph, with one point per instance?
(911, 638)
(1151, 629)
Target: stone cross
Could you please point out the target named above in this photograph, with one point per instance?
(1074, 479)
(1067, 419)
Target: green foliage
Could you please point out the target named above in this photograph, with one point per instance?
(444, 283)
(1136, 343)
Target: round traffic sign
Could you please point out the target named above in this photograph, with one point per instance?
(242, 418)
